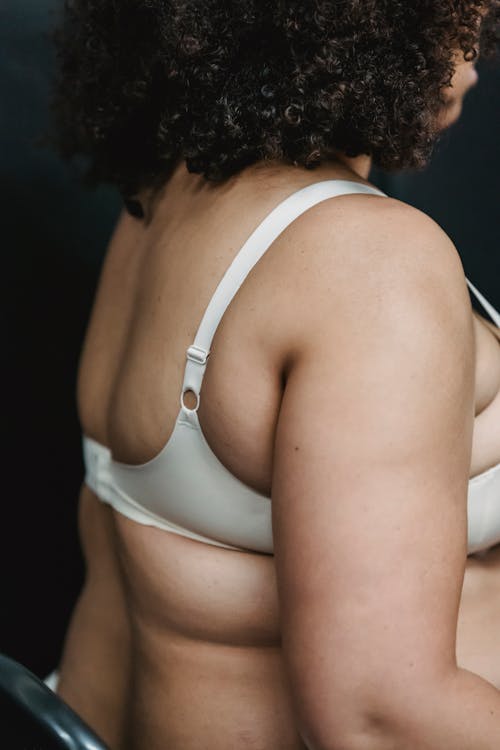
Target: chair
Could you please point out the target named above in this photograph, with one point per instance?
(32, 717)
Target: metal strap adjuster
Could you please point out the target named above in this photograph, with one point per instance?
(197, 354)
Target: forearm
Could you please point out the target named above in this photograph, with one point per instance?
(464, 716)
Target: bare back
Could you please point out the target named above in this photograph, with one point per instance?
(176, 643)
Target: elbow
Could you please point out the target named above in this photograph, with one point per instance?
(367, 735)
(354, 726)
(390, 714)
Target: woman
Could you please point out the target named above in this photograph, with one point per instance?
(348, 391)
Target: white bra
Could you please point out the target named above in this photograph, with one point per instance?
(185, 489)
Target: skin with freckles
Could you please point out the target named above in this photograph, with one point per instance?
(165, 623)
(175, 643)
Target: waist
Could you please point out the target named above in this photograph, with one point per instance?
(187, 694)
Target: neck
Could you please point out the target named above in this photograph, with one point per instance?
(360, 165)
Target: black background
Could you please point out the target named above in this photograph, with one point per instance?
(54, 235)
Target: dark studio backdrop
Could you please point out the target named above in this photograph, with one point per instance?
(54, 234)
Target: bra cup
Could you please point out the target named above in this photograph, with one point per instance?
(188, 485)
(483, 510)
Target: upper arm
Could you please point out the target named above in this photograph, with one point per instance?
(370, 472)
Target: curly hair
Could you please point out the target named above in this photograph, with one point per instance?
(221, 84)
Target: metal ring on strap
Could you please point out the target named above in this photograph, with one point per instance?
(197, 400)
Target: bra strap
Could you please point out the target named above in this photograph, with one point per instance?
(250, 253)
(494, 314)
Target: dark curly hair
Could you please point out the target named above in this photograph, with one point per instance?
(222, 84)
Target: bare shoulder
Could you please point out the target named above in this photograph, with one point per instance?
(383, 219)
(380, 235)
(360, 255)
